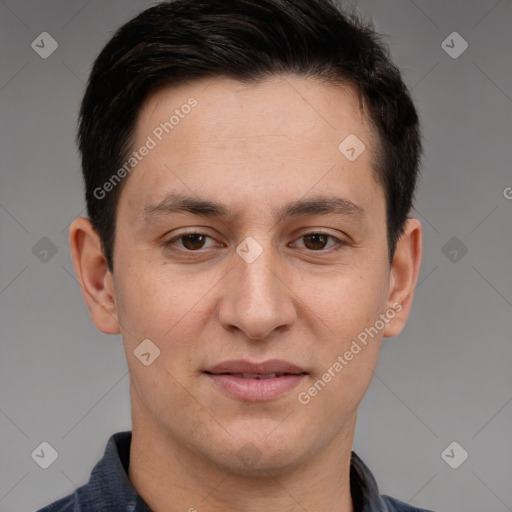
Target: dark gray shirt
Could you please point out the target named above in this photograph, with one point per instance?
(110, 490)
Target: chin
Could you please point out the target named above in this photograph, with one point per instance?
(261, 455)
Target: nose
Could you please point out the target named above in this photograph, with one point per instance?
(258, 298)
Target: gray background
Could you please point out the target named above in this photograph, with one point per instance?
(446, 378)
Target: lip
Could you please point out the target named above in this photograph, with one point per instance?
(262, 368)
(228, 376)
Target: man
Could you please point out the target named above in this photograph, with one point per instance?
(250, 167)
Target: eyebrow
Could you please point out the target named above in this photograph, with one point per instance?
(318, 205)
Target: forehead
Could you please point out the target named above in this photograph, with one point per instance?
(289, 104)
(283, 133)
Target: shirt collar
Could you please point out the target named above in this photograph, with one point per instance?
(109, 488)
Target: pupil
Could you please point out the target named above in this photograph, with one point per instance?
(195, 239)
(317, 239)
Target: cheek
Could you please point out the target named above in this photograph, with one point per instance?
(346, 300)
(152, 299)
(158, 305)
(346, 308)
(170, 308)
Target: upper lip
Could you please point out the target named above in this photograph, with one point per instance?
(263, 368)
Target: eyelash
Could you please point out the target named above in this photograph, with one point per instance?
(341, 243)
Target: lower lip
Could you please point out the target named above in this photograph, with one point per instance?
(256, 390)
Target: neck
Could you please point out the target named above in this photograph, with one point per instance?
(172, 477)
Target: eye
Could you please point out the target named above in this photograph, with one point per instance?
(319, 241)
(195, 241)
(189, 241)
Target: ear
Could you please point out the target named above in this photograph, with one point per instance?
(403, 276)
(95, 279)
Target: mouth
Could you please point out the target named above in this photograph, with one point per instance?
(255, 375)
(254, 382)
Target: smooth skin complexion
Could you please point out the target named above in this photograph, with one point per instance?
(255, 150)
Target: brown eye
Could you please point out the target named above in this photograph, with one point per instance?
(319, 242)
(315, 241)
(193, 241)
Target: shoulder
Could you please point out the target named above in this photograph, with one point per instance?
(67, 504)
(109, 488)
(394, 505)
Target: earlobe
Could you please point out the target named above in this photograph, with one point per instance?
(403, 276)
(93, 274)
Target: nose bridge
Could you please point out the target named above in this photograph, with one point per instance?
(256, 302)
(258, 283)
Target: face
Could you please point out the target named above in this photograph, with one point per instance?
(246, 235)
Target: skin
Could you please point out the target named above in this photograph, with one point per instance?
(255, 148)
